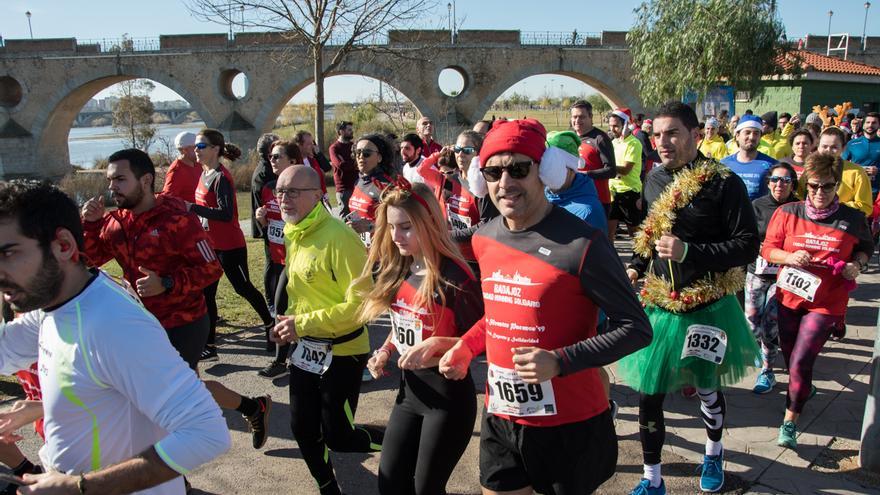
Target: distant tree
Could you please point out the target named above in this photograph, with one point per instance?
(133, 114)
(330, 29)
(690, 46)
(600, 104)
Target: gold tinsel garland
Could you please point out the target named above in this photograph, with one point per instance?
(660, 219)
(678, 194)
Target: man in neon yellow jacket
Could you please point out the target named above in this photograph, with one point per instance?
(324, 258)
(773, 142)
(713, 145)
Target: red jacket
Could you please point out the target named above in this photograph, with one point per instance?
(165, 239)
(181, 180)
(458, 204)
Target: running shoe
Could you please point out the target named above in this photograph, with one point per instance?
(644, 488)
(259, 421)
(712, 478)
(765, 382)
(688, 391)
(788, 435)
(273, 370)
(209, 354)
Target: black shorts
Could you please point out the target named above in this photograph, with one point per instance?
(624, 208)
(574, 458)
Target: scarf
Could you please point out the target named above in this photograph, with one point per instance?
(821, 214)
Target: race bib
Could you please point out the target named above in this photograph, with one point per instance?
(407, 331)
(312, 356)
(510, 395)
(764, 267)
(459, 221)
(366, 238)
(275, 231)
(705, 342)
(799, 282)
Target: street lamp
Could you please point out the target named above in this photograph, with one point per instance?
(451, 33)
(242, 18)
(30, 29)
(865, 28)
(830, 15)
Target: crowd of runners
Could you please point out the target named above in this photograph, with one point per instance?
(747, 232)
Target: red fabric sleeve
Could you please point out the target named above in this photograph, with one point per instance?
(475, 338)
(94, 245)
(775, 238)
(173, 186)
(203, 268)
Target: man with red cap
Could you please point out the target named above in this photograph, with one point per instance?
(627, 186)
(539, 262)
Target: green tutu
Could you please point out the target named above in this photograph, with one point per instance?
(659, 367)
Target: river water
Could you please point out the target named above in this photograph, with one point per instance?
(88, 143)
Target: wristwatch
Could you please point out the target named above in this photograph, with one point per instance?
(167, 283)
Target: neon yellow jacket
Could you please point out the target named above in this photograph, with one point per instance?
(324, 257)
(775, 145)
(714, 148)
(854, 190)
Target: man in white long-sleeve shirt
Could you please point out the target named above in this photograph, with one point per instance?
(123, 412)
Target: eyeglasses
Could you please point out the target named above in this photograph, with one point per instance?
(516, 170)
(468, 150)
(201, 146)
(276, 156)
(293, 192)
(826, 187)
(785, 180)
(448, 172)
(366, 153)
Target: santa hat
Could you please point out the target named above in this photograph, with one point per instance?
(623, 114)
(526, 136)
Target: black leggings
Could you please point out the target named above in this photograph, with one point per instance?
(428, 431)
(235, 266)
(281, 304)
(270, 275)
(652, 426)
(189, 340)
(322, 409)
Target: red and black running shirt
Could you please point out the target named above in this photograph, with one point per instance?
(218, 208)
(541, 288)
(840, 236)
(366, 195)
(275, 227)
(462, 307)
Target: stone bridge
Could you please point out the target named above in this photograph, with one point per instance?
(174, 115)
(44, 83)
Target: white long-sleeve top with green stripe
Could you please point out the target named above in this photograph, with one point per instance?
(113, 386)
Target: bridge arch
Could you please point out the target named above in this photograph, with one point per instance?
(298, 80)
(618, 92)
(67, 101)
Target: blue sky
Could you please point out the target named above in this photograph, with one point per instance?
(94, 19)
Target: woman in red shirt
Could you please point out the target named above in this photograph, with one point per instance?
(823, 245)
(218, 209)
(433, 299)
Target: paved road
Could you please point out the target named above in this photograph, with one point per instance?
(754, 463)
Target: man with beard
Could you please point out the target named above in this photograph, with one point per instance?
(345, 172)
(748, 163)
(324, 261)
(411, 155)
(165, 256)
(699, 230)
(115, 392)
(865, 150)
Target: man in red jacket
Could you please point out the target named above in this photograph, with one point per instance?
(167, 259)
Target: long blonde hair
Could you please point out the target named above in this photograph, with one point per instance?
(389, 268)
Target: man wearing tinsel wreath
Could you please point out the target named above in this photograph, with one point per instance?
(699, 230)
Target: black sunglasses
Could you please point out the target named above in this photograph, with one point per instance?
(516, 170)
(276, 156)
(364, 153)
(774, 179)
(826, 187)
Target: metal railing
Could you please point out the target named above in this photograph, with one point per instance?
(111, 45)
(558, 38)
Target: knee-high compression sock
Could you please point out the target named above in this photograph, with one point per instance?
(713, 407)
(652, 433)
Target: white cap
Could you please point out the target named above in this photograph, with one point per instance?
(184, 139)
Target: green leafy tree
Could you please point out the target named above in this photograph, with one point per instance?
(133, 114)
(682, 46)
(600, 104)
